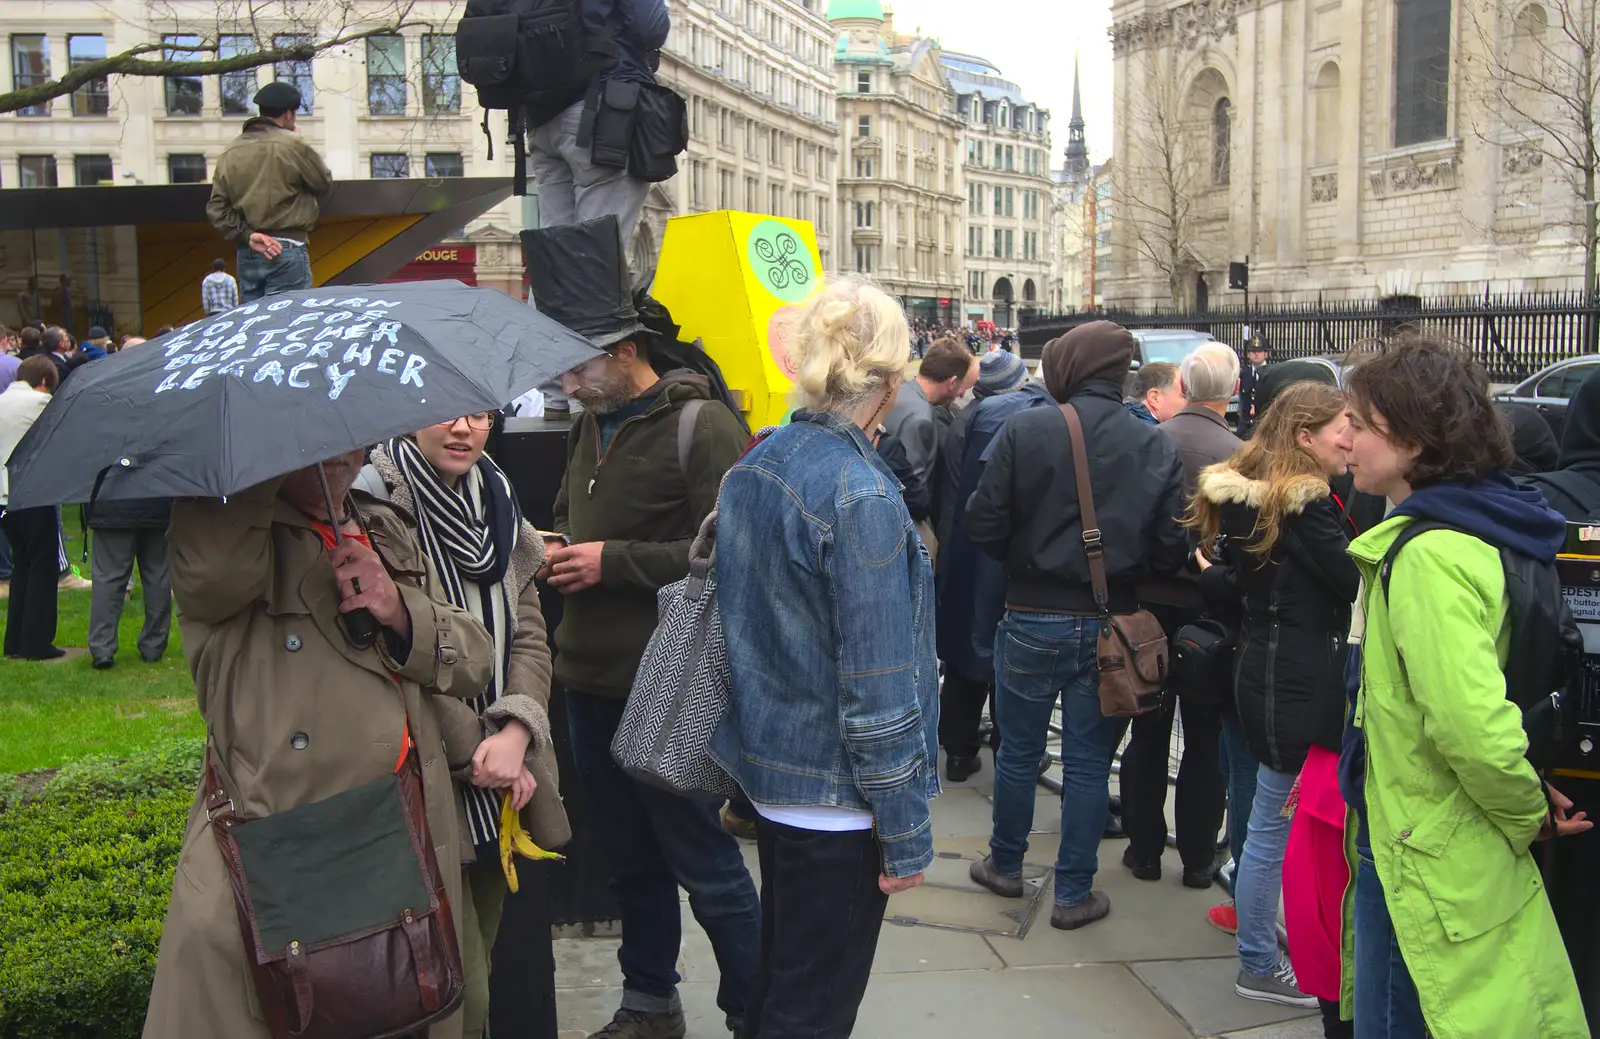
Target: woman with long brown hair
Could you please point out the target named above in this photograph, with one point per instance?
(1284, 566)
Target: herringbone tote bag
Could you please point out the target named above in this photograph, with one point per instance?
(680, 693)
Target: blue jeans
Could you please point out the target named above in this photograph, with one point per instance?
(1258, 879)
(1038, 659)
(1387, 1006)
(1239, 767)
(259, 276)
(654, 841)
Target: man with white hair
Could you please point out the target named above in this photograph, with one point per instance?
(1207, 378)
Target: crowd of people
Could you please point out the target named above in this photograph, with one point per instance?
(34, 566)
(912, 547)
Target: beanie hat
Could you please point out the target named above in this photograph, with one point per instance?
(1097, 350)
(96, 332)
(999, 371)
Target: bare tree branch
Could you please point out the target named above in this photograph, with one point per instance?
(134, 61)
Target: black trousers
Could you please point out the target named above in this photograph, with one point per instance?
(961, 703)
(821, 911)
(1198, 811)
(35, 569)
(1200, 800)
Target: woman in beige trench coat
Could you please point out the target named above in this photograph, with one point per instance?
(294, 713)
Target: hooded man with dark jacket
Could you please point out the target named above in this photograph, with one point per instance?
(627, 510)
(1573, 489)
(1027, 513)
(265, 196)
(126, 532)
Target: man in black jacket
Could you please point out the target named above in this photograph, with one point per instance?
(1026, 512)
(1573, 489)
(1256, 355)
(128, 532)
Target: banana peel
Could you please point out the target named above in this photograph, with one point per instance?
(514, 840)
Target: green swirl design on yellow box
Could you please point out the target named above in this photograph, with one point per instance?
(781, 261)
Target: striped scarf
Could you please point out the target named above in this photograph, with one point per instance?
(460, 531)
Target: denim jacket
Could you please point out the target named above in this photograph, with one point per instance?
(826, 597)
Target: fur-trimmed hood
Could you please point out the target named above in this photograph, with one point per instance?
(1221, 484)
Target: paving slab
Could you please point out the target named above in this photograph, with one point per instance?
(1149, 920)
(1094, 1001)
(1201, 992)
(1301, 1028)
(949, 898)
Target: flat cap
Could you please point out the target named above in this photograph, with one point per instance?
(278, 96)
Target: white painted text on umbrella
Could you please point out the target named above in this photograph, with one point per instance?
(320, 344)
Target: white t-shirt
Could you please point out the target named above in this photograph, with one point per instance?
(825, 818)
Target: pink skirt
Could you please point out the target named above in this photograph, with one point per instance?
(1315, 876)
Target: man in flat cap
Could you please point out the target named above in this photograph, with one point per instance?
(264, 196)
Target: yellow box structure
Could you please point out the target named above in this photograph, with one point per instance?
(731, 279)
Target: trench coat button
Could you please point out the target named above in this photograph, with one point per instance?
(299, 741)
(292, 643)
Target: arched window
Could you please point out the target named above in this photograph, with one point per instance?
(1528, 42)
(1029, 293)
(1421, 71)
(1221, 141)
(1002, 290)
(1329, 125)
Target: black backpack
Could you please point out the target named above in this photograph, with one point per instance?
(1544, 663)
(518, 52)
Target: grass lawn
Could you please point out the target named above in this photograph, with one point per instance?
(52, 713)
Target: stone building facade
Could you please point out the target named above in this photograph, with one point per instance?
(1347, 148)
(1006, 166)
(758, 79)
(901, 197)
(388, 107)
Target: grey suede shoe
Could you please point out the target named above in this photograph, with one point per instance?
(984, 874)
(1069, 918)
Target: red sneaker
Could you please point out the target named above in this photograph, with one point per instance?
(1224, 917)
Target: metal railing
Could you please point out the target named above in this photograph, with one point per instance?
(1512, 335)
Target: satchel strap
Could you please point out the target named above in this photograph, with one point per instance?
(1093, 546)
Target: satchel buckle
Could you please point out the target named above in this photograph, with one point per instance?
(1091, 538)
(212, 810)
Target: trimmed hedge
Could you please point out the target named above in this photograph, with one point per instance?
(86, 866)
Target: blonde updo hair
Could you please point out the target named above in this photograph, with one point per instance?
(850, 341)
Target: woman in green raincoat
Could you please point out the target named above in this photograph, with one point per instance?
(1452, 934)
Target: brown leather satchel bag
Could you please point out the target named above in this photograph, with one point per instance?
(343, 910)
(1131, 654)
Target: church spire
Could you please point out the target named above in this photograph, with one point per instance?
(1077, 146)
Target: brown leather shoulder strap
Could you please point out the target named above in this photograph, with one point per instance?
(1093, 546)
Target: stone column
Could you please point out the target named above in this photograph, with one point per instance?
(1353, 60)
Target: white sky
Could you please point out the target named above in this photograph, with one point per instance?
(1032, 41)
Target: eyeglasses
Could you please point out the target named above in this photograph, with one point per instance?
(483, 421)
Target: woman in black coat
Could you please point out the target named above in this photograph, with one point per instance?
(1284, 563)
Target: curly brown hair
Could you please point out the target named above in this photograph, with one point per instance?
(1432, 396)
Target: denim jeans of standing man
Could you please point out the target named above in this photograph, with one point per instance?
(1041, 658)
(260, 277)
(1239, 769)
(821, 913)
(1387, 1005)
(1258, 881)
(655, 842)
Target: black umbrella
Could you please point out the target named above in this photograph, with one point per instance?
(270, 387)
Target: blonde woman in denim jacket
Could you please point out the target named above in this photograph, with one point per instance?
(826, 597)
